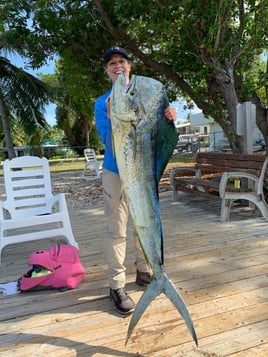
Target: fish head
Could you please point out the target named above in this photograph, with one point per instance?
(123, 101)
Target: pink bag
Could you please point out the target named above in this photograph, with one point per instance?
(59, 267)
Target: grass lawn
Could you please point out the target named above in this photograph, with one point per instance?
(66, 165)
(78, 164)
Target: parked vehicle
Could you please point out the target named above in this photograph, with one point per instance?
(260, 144)
(221, 145)
(187, 143)
(224, 145)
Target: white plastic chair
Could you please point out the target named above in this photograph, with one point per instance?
(30, 210)
(91, 168)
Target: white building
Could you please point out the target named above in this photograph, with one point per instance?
(208, 130)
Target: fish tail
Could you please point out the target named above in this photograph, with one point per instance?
(151, 292)
(155, 288)
(174, 296)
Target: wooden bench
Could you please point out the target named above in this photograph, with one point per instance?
(223, 175)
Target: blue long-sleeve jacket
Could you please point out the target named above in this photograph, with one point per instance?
(104, 128)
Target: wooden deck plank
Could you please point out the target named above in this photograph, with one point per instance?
(220, 269)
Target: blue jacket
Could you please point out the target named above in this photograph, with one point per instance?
(104, 128)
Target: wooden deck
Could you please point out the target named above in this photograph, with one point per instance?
(221, 270)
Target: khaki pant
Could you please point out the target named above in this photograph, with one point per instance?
(116, 214)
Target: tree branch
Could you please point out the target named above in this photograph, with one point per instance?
(150, 63)
(223, 20)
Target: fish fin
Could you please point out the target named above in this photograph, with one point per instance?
(167, 141)
(155, 288)
(151, 292)
(174, 296)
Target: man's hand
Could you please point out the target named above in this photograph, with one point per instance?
(170, 113)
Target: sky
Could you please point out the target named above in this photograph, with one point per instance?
(50, 109)
(47, 69)
(182, 114)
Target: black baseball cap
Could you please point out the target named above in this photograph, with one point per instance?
(114, 50)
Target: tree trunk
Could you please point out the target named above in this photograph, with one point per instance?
(261, 117)
(6, 129)
(220, 82)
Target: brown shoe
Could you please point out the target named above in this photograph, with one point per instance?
(143, 278)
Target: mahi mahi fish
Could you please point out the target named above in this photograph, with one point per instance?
(143, 142)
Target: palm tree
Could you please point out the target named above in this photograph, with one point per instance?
(22, 98)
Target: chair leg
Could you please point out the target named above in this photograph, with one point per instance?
(225, 209)
(66, 221)
(262, 207)
(70, 237)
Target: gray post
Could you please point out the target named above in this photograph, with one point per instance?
(246, 122)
